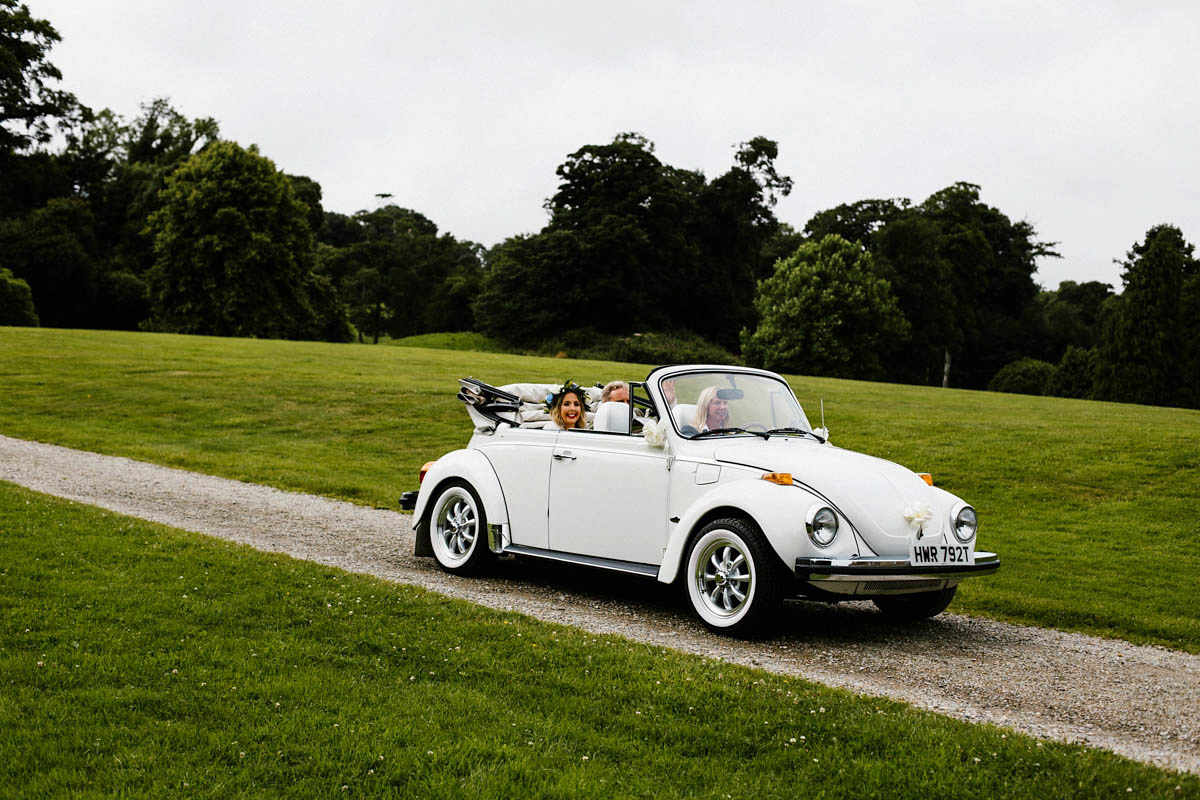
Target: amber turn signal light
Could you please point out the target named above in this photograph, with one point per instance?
(428, 466)
(925, 476)
(781, 478)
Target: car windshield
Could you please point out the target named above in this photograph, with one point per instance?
(732, 403)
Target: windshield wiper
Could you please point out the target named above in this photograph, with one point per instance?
(796, 430)
(716, 431)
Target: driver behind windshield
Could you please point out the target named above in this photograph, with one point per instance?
(712, 411)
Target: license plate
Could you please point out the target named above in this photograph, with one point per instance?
(939, 555)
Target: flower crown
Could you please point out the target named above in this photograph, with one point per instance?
(568, 387)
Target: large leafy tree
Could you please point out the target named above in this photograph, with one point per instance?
(27, 99)
(1143, 356)
(233, 251)
(367, 293)
(628, 214)
(735, 224)
(613, 248)
(908, 256)
(856, 222)
(536, 285)
(825, 311)
(120, 168)
(992, 262)
(30, 180)
(634, 244)
(29, 177)
(1071, 316)
(398, 275)
(962, 273)
(907, 249)
(74, 224)
(53, 249)
(76, 219)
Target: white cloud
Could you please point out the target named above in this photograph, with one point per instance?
(1078, 116)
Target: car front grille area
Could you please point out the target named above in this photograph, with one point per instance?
(900, 587)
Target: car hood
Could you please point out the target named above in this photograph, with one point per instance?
(878, 497)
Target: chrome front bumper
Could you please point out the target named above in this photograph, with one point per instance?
(876, 569)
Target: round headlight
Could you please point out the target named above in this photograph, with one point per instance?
(822, 526)
(964, 523)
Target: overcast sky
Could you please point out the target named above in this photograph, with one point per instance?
(1080, 116)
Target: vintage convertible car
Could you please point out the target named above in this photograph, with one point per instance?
(711, 477)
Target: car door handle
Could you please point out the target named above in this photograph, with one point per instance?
(565, 456)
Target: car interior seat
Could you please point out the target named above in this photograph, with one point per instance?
(612, 417)
(684, 413)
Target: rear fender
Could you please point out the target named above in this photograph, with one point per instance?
(470, 466)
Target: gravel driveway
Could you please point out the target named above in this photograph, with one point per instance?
(1141, 702)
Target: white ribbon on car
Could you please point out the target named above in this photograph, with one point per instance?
(917, 515)
(656, 432)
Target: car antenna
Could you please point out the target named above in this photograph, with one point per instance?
(823, 418)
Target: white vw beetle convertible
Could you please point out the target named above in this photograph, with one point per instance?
(710, 476)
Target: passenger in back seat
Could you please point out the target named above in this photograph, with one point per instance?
(615, 392)
(568, 406)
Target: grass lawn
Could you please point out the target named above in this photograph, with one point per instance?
(141, 661)
(1092, 506)
(476, 342)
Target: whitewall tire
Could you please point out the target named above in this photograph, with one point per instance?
(458, 530)
(733, 582)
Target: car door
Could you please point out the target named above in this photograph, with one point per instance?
(521, 459)
(608, 496)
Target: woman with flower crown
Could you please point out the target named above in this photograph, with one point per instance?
(567, 407)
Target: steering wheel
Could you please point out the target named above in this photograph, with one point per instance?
(689, 430)
(755, 426)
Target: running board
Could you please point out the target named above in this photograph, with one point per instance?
(611, 564)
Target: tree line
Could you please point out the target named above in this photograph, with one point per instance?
(157, 223)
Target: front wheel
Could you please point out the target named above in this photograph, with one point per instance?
(458, 530)
(733, 582)
(915, 607)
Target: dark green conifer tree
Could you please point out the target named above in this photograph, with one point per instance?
(1142, 357)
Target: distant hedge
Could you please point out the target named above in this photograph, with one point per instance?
(1027, 376)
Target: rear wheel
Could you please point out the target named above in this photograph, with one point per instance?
(733, 582)
(458, 530)
(915, 607)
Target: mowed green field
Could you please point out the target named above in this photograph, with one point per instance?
(1092, 506)
(141, 661)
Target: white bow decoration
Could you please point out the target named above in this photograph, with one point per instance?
(656, 432)
(917, 515)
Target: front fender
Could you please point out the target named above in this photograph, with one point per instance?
(470, 466)
(778, 511)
